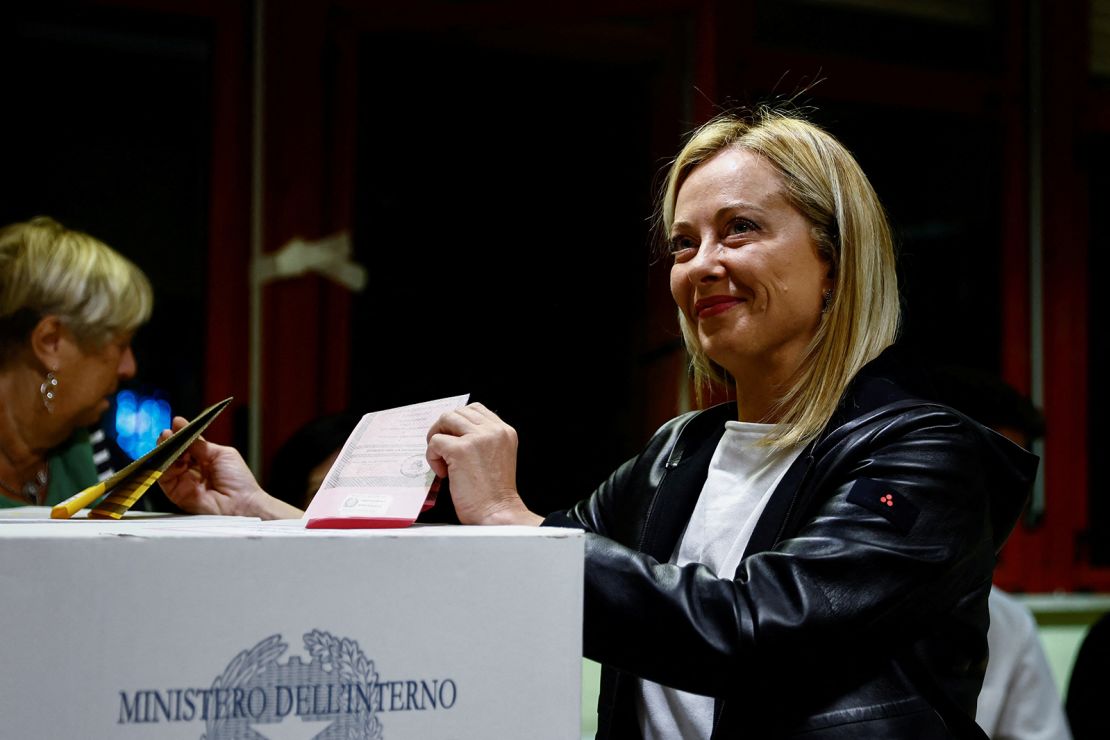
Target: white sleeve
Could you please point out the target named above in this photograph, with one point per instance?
(1032, 708)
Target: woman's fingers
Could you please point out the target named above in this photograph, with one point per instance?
(464, 420)
(454, 422)
(177, 424)
(485, 413)
(435, 454)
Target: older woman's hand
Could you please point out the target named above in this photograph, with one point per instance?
(213, 479)
(477, 451)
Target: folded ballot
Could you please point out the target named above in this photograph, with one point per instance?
(381, 478)
(128, 485)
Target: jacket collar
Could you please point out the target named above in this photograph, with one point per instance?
(895, 375)
(887, 379)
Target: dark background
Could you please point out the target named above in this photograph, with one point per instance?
(503, 167)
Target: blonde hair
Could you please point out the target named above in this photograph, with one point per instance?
(47, 269)
(850, 230)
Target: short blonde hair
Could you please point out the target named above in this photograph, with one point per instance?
(47, 269)
(850, 230)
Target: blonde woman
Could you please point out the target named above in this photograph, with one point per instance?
(69, 306)
(814, 559)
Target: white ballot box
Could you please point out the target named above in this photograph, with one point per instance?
(221, 628)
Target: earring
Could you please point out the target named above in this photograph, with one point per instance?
(49, 391)
(826, 300)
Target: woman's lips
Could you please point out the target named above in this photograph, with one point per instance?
(707, 307)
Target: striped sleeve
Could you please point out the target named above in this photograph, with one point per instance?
(102, 458)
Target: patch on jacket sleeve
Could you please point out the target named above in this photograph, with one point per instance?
(884, 501)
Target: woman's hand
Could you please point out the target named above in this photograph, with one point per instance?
(477, 451)
(213, 479)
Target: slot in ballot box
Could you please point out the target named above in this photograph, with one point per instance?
(221, 628)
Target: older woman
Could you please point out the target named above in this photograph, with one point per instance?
(812, 560)
(69, 305)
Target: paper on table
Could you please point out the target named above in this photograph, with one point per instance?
(381, 477)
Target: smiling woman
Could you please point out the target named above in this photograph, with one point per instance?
(69, 305)
(814, 559)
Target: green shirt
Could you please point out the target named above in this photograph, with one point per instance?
(71, 470)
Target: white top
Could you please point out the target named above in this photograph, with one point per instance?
(1019, 700)
(742, 475)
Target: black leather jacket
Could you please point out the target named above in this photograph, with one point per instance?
(851, 615)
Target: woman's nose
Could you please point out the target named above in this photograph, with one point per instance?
(127, 365)
(707, 266)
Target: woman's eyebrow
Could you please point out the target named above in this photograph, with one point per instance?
(738, 205)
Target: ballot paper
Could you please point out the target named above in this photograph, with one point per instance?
(381, 478)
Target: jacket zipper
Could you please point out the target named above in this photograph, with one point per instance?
(671, 464)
